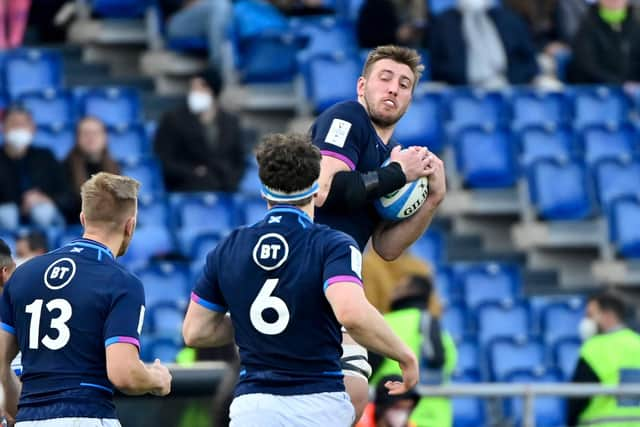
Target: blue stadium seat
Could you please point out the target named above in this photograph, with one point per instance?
(70, 233)
(165, 349)
(430, 248)
(485, 157)
(49, 107)
(148, 241)
(115, 106)
(324, 92)
(454, 321)
(448, 290)
(616, 178)
(565, 355)
(146, 171)
(202, 245)
(600, 105)
(119, 8)
(324, 34)
(199, 213)
(468, 358)
(251, 184)
(165, 282)
(506, 355)
(559, 190)
(127, 143)
(57, 138)
(548, 142)
(255, 209)
(601, 142)
(561, 319)
(152, 211)
(422, 124)
(490, 283)
(28, 70)
(494, 320)
(165, 319)
(624, 226)
(469, 108)
(468, 411)
(438, 6)
(255, 55)
(549, 411)
(530, 107)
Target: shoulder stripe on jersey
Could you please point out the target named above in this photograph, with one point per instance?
(101, 387)
(338, 279)
(339, 157)
(128, 340)
(96, 247)
(8, 328)
(207, 304)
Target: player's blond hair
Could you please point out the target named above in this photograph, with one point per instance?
(109, 199)
(400, 54)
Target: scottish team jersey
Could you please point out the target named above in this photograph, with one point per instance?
(271, 277)
(345, 132)
(65, 307)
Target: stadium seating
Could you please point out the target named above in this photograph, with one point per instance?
(422, 124)
(324, 35)
(469, 108)
(601, 142)
(202, 245)
(565, 354)
(616, 178)
(152, 211)
(115, 106)
(485, 157)
(560, 320)
(548, 410)
(323, 92)
(538, 108)
(429, 248)
(508, 354)
(599, 105)
(448, 290)
(127, 144)
(468, 358)
(255, 209)
(494, 320)
(165, 319)
(454, 321)
(165, 349)
(28, 70)
(468, 411)
(58, 138)
(165, 282)
(624, 226)
(490, 283)
(49, 107)
(545, 142)
(146, 171)
(148, 241)
(119, 8)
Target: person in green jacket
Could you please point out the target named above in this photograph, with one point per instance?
(610, 355)
(414, 316)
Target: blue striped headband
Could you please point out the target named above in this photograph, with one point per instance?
(281, 196)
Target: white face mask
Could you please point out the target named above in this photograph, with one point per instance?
(397, 417)
(474, 5)
(19, 138)
(199, 101)
(587, 328)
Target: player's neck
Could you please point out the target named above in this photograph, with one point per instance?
(384, 133)
(111, 242)
(308, 208)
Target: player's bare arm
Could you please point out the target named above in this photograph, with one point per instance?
(10, 384)
(391, 239)
(368, 328)
(129, 375)
(206, 328)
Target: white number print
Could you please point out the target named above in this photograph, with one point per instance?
(58, 323)
(265, 300)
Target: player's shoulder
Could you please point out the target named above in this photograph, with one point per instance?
(351, 111)
(119, 275)
(333, 237)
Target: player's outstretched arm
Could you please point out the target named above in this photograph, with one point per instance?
(369, 329)
(206, 328)
(129, 375)
(8, 379)
(391, 239)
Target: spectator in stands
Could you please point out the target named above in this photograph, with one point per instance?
(200, 144)
(203, 18)
(89, 156)
(389, 410)
(606, 48)
(31, 244)
(481, 45)
(415, 317)
(382, 22)
(609, 355)
(541, 18)
(13, 22)
(34, 185)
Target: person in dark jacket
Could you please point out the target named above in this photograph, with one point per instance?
(34, 187)
(606, 48)
(89, 156)
(200, 144)
(482, 45)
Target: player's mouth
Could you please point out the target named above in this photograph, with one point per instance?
(389, 102)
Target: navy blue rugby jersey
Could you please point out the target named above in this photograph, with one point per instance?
(65, 308)
(345, 132)
(271, 278)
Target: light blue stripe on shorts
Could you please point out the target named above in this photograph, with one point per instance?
(305, 410)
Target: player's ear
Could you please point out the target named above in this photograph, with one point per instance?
(360, 86)
(82, 219)
(130, 226)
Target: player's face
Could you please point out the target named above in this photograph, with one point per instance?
(386, 91)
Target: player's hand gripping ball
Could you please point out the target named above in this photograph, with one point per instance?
(404, 202)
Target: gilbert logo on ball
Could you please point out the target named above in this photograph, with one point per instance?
(404, 202)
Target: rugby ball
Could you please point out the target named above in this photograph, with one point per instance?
(403, 202)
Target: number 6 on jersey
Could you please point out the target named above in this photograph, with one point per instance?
(263, 301)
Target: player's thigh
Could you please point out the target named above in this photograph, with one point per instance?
(71, 422)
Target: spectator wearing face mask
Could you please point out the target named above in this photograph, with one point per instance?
(610, 355)
(200, 144)
(34, 187)
(480, 44)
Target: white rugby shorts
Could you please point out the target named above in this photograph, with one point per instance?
(71, 422)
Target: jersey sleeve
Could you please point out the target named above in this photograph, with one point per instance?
(340, 133)
(342, 261)
(7, 321)
(206, 291)
(126, 315)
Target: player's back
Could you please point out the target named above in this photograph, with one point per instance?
(64, 308)
(272, 277)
